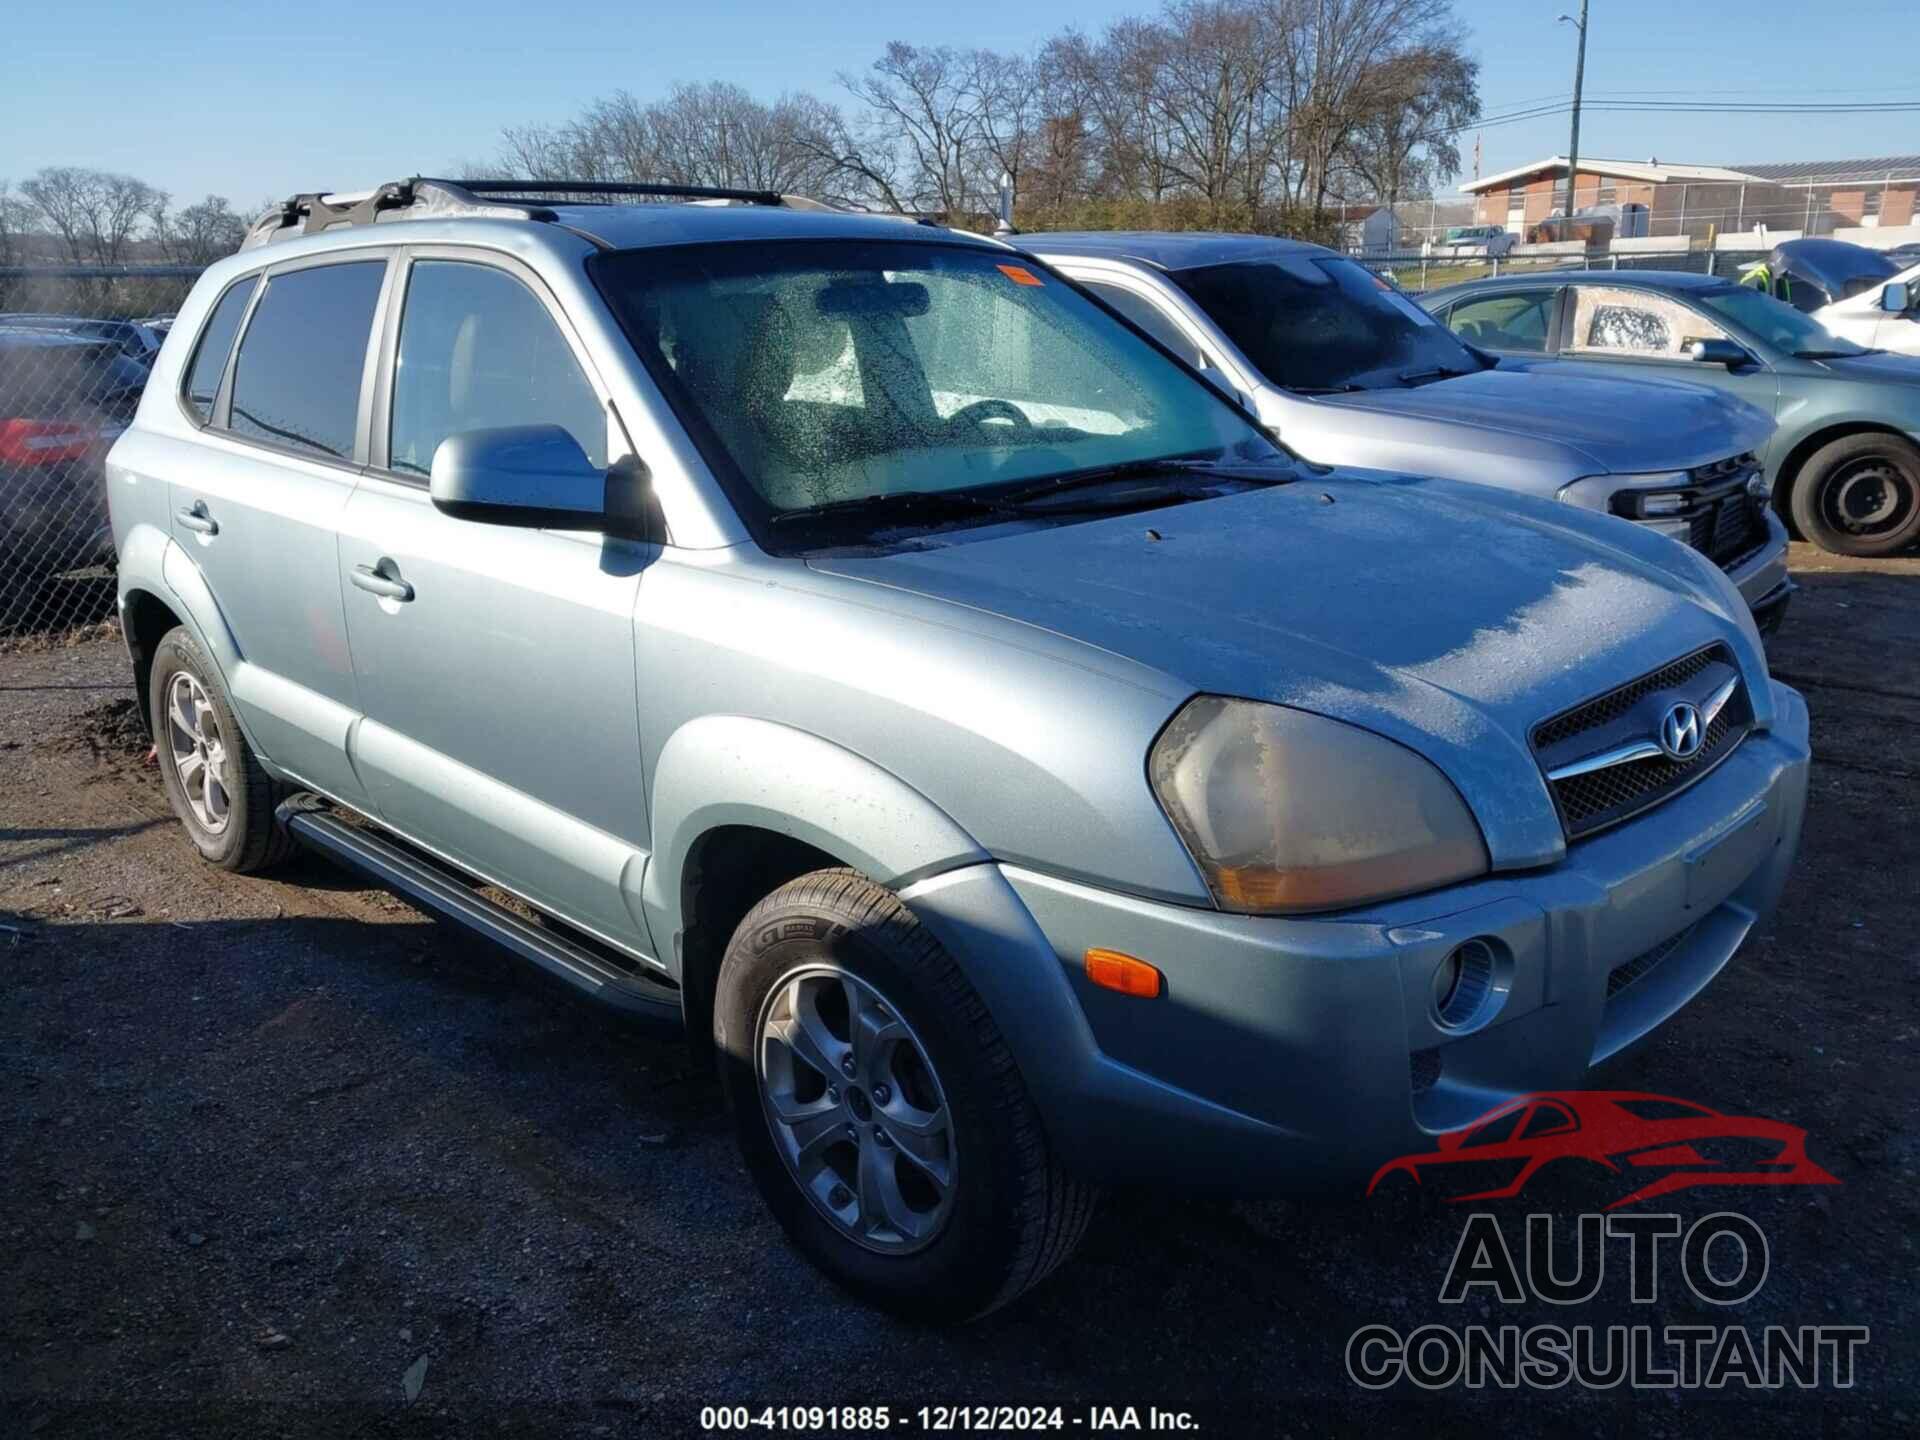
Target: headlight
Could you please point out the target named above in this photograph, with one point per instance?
(1620, 494)
(1285, 811)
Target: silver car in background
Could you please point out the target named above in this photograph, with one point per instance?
(1347, 370)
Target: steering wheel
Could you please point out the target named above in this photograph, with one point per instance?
(981, 411)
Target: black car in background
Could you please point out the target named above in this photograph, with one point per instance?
(64, 399)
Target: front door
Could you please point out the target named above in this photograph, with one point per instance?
(496, 664)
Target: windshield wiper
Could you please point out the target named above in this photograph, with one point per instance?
(1346, 387)
(1437, 372)
(1248, 472)
(1836, 354)
(919, 504)
(1026, 500)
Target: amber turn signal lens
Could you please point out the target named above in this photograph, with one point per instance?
(1111, 970)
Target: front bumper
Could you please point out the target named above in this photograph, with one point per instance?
(1762, 579)
(1287, 1053)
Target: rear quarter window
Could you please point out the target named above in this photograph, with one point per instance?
(216, 343)
(296, 381)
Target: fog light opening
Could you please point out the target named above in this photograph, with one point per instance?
(1463, 983)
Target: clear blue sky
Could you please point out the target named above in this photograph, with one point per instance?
(261, 100)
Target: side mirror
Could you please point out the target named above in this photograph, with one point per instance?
(1897, 297)
(536, 477)
(1719, 352)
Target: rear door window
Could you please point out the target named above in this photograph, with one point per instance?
(297, 379)
(1634, 322)
(216, 344)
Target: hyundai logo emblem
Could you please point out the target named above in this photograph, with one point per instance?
(1680, 732)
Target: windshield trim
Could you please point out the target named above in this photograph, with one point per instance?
(745, 501)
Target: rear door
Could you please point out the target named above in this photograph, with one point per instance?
(496, 664)
(259, 507)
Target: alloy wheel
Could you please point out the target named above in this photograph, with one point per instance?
(856, 1110)
(199, 753)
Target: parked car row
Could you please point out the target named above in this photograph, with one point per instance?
(1843, 457)
(1347, 371)
(997, 715)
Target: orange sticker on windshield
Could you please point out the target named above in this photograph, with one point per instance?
(1020, 275)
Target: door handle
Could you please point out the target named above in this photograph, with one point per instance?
(385, 586)
(197, 519)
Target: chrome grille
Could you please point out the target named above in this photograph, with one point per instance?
(1598, 798)
(1604, 709)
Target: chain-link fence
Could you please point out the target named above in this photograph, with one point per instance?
(77, 344)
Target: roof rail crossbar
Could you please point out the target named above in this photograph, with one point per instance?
(614, 187)
(313, 211)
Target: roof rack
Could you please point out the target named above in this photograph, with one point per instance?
(616, 188)
(423, 197)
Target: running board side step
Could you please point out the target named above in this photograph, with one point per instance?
(442, 890)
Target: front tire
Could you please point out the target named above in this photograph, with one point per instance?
(878, 1107)
(1860, 495)
(213, 780)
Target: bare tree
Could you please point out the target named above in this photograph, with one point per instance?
(924, 108)
(16, 221)
(712, 134)
(1406, 143)
(1010, 105)
(198, 235)
(1224, 112)
(94, 213)
(1211, 89)
(1332, 73)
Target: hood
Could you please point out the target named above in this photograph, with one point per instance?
(1881, 368)
(1620, 427)
(1423, 610)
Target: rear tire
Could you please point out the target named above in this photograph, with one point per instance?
(1859, 495)
(214, 783)
(824, 948)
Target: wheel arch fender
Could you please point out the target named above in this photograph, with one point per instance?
(722, 771)
(153, 565)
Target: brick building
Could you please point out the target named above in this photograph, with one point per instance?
(1697, 200)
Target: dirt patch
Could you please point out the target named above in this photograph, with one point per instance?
(112, 730)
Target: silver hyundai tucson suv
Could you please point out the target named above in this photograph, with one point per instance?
(851, 642)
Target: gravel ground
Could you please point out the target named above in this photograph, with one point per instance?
(279, 1156)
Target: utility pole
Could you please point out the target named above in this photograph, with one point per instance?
(1579, 76)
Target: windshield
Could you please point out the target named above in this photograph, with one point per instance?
(1776, 323)
(1315, 323)
(827, 373)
